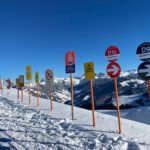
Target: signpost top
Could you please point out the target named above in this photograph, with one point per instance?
(143, 51)
(144, 70)
(113, 70)
(112, 53)
(89, 71)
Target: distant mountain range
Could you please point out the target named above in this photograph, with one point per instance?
(132, 91)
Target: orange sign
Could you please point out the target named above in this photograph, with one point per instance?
(70, 58)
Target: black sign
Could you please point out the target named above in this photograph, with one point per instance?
(143, 51)
(144, 70)
(70, 69)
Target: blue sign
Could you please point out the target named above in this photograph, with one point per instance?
(70, 69)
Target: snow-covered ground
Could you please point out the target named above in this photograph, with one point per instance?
(26, 127)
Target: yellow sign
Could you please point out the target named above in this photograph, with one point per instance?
(89, 71)
(17, 82)
(37, 77)
(28, 73)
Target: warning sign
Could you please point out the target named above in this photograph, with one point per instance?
(89, 71)
(28, 73)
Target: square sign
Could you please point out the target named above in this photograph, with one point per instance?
(28, 73)
(70, 62)
(21, 81)
(37, 77)
(89, 71)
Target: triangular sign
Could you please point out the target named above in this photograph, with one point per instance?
(89, 68)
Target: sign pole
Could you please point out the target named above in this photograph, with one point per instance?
(92, 98)
(117, 102)
(38, 95)
(18, 93)
(29, 93)
(148, 88)
(72, 99)
(50, 94)
(22, 94)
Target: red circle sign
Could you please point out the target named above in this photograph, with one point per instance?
(113, 70)
(112, 53)
(49, 75)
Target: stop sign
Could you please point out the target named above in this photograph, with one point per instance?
(113, 70)
(112, 53)
(143, 51)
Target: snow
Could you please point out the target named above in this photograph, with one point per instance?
(126, 83)
(86, 97)
(26, 127)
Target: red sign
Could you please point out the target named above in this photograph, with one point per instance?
(70, 58)
(112, 53)
(113, 70)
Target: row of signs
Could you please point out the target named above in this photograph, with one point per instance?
(113, 69)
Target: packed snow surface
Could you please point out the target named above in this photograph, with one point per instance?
(26, 127)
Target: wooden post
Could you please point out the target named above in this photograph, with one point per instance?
(148, 82)
(38, 103)
(51, 99)
(21, 94)
(117, 103)
(18, 93)
(29, 90)
(92, 100)
(72, 97)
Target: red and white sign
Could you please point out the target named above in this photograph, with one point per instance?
(49, 75)
(113, 70)
(112, 53)
(70, 58)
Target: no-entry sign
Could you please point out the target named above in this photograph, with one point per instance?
(113, 70)
(143, 51)
(112, 53)
(144, 70)
(49, 75)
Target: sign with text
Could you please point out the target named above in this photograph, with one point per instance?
(143, 51)
(112, 53)
(28, 73)
(89, 71)
(70, 62)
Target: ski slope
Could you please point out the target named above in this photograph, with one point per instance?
(26, 127)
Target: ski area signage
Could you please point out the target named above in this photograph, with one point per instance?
(36, 77)
(89, 71)
(144, 70)
(112, 53)
(70, 62)
(113, 70)
(49, 75)
(143, 51)
(28, 73)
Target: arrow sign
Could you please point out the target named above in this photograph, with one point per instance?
(144, 70)
(113, 70)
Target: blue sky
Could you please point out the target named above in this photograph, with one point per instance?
(40, 32)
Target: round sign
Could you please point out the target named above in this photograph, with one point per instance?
(143, 51)
(112, 53)
(49, 75)
(113, 70)
(144, 70)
